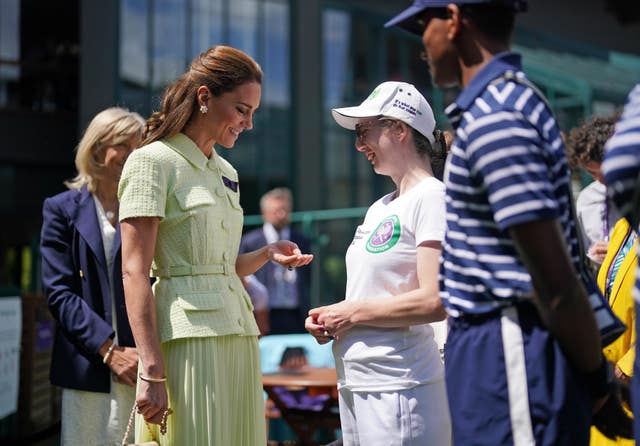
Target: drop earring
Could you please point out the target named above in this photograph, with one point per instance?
(204, 109)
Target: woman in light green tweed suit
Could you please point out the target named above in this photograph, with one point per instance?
(181, 218)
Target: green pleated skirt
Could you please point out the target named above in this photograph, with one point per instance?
(215, 390)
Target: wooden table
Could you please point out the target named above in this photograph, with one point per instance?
(305, 422)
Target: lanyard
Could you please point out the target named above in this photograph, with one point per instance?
(605, 220)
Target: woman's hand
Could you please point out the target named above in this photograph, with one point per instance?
(124, 365)
(316, 330)
(152, 400)
(335, 319)
(287, 254)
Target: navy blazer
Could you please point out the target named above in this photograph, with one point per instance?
(76, 285)
(255, 239)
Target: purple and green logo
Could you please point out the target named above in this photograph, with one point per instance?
(385, 236)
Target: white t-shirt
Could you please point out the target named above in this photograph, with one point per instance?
(381, 263)
(597, 219)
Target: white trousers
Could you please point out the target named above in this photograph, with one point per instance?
(94, 418)
(413, 417)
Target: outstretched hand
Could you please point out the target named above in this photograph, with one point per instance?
(287, 254)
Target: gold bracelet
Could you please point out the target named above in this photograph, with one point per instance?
(107, 355)
(149, 379)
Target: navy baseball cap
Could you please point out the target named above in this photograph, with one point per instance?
(407, 18)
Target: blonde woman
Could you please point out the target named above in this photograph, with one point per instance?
(94, 359)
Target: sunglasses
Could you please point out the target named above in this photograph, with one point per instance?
(363, 129)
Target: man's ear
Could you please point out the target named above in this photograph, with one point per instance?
(453, 22)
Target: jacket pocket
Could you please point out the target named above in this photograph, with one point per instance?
(200, 301)
(193, 197)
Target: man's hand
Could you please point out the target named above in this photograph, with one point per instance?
(611, 419)
(598, 251)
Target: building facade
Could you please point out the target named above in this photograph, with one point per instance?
(316, 55)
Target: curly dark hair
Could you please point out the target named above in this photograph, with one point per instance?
(585, 143)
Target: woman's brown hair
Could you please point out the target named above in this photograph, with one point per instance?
(221, 69)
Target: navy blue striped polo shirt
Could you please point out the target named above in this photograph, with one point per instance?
(621, 165)
(507, 167)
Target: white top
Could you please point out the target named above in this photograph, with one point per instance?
(108, 237)
(285, 291)
(593, 215)
(381, 263)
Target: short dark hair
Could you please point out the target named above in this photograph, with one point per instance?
(585, 143)
(494, 19)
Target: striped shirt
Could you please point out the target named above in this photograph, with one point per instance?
(507, 167)
(621, 164)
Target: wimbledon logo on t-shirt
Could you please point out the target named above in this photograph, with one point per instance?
(385, 236)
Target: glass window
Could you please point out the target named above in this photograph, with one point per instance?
(135, 70)
(169, 53)
(340, 159)
(39, 56)
(207, 29)
(9, 49)
(244, 25)
(263, 156)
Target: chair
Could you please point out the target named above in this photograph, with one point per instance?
(305, 410)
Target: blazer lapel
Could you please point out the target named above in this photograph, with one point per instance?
(116, 244)
(89, 227)
(625, 268)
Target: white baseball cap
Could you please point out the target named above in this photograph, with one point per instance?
(397, 100)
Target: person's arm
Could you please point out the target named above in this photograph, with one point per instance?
(419, 306)
(138, 244)
(284, 252)
(61, 284)
(560, 296)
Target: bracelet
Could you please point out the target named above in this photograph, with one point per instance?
(107, 355)
(149, 379)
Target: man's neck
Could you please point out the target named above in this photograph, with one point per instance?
(476, 55)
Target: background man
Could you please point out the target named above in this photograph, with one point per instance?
(288, 290)
(595, 212)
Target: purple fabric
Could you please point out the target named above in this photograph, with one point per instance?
(233, 185)
(299, 399)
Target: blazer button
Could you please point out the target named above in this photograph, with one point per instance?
(225, 224)
(219, 191)
(240, 322)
